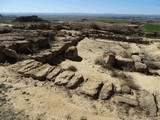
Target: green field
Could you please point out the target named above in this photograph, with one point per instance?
(152, 27)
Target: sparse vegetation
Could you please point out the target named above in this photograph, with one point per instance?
(152, 27)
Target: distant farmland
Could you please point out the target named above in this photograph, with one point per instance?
(152, 27)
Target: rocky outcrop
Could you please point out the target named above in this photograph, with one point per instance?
(107, 91)
(147, 103)
(141, 67)
(140, 101)
(75, 81)
(124, 63)
(132, 102)
(71, 53)
(54, 73)
(63, 78)
(117, 37)
(10, 53)
(110, 60)
(41, 72)
(91, 88)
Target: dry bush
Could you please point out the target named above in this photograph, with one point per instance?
(126, 80)
(72, 68)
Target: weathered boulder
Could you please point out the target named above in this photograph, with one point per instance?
(119, 50)
(158, 101)
(107, 91)
(136, 58)
(22, 46)
(30, 66)
(10, 53)
(126, 100)
(140, 67)
(71, 53)
(153, 64)
(123, 63)
(154, 72)
(110, 60)
(91, 88)
(55, 72)
(41, 72)
(44, 57)
(63, 78)
(134, 49)
(147, 103)
(40, 43)
(75, 81)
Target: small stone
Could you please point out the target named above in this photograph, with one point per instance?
(83, 118)
(125, 89)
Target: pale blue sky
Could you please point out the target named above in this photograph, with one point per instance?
(82, 6)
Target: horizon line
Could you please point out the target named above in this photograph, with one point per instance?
(77, 13)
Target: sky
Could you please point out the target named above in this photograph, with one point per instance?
(81, 6)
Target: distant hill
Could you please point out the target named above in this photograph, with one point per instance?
(1, 15)
(33, 18)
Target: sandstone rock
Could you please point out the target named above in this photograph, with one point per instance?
(107, 91)
(118, 50)
(158, 101)
(29, 66)
(10, 53)
(63, 47)
(134, 49)
(75, 81)
(125, 89)
(123, 63)
(154, 72)
(21, 46)
(136, 58)
(48, 56)
(40, 42)
(140, 67)
(110, 60)
(55, 72)
(71, 53)
(126, 100)
(39, 57)
(64, 78)
(153, 64)
(41, 72)
(91, 88)
(147, 103)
